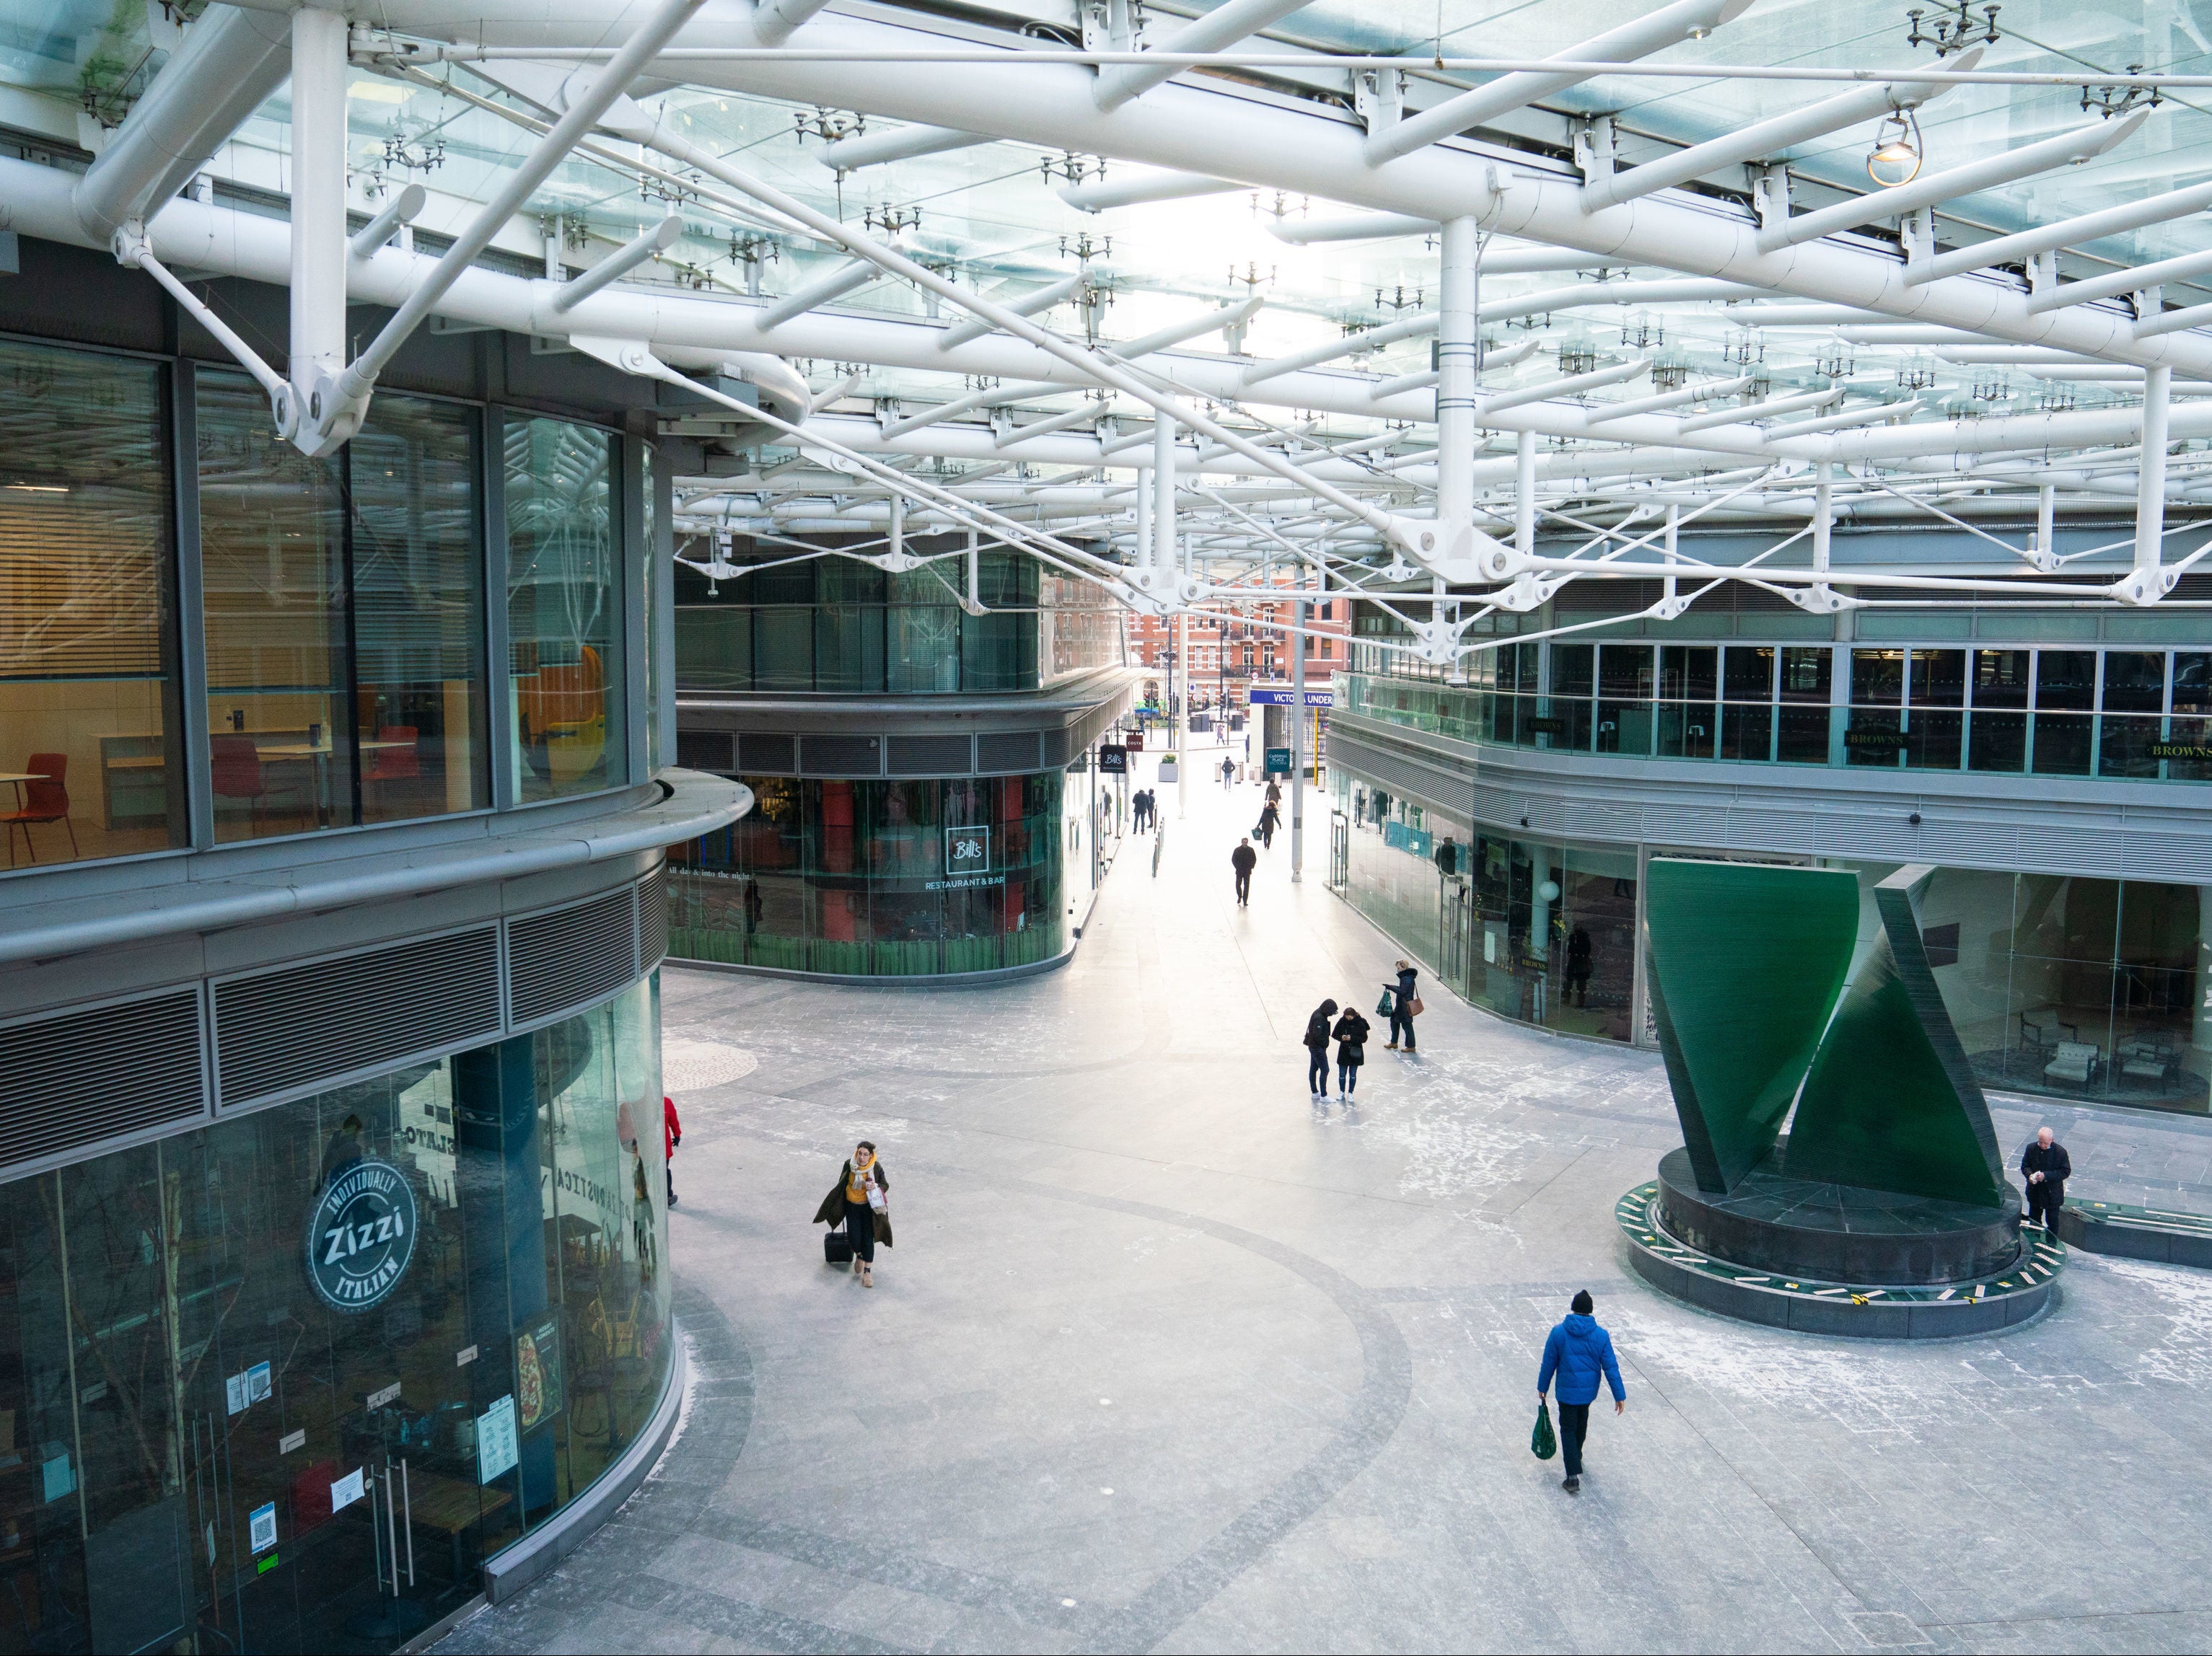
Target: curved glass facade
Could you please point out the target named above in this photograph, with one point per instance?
(286, 1381)
(883, 878)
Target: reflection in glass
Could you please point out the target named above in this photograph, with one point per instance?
(564, 609)
(89, 709)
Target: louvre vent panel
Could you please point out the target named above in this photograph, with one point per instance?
(284, 1029)
(149, 1075)
(844, 755)
(1440, 788)
(1014, 750)
(572, 956)
(705, 750)
(651, 918)
(931, 756)
(768, 756)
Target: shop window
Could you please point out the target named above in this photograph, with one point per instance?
(343, 610)
(564, 606)
(2065, 691)
(1996, 736)
(91, 759)
(2129, 733)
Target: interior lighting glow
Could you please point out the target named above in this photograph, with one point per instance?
(1896, 157)
(39, 488)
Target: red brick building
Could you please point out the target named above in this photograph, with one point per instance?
(1228, 652)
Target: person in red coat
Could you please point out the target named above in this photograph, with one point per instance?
(671, 1135)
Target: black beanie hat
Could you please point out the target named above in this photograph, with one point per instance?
(1583, 1304)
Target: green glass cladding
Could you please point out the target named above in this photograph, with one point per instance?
(564, 608)
(198, 1453)
(1891, 1102)
(1746, 964)
(885, 879)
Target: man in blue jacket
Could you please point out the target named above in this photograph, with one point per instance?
(1577, 1351)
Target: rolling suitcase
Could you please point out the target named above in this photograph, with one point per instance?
(837, 1248)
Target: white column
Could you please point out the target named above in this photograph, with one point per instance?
(975, 568)
(1824, 513)
(2150, 472)
(2046, 519)
(898, 524)
(319, 200)
(1524, 490)
(1456, 345)
(1297, 741)
(1163, 497)
(1179, 687)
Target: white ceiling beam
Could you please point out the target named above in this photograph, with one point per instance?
(959, 405)
(1654, 32)
(2081, 143)
(1029, 304)
(1351, 345)
(846, 278)
(1224, 26)
(896, 143)
(1764, 138)
(2067, 232)
(1148, 186)
(2060, 295)
(1573, 384)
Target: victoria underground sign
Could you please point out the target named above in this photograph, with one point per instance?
(360, 1235)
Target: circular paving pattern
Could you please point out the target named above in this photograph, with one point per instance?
(692, 1067)
(1865, 1311)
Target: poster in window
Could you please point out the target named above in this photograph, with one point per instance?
(538, 1392)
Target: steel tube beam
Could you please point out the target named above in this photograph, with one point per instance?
(320, 249)
(1028, 305)
(1351, 345)
(402, 208)
(1223, 26)
(1156, 186)
(896, 143)
(846, 278)
(1457, 347)
(2067, 232)
(621, 263)
(2150, 498)
(1669, 26)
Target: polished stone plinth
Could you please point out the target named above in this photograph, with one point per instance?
(2165, 1235)
(1837, 1232)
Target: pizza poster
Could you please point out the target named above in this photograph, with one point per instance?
(539, 1392)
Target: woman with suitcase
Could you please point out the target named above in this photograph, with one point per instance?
(861, 1199)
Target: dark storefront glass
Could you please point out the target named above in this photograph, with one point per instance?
(1802, 722)
(2131, 729)
(343, 604)
(880, 878)
(204, 1452)
(90, 712)
(564, 608)
(2065, 691)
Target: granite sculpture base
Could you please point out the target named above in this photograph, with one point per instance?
(1823, 1259)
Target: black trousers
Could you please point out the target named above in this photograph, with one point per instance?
(860, 1226)
(1268, 837)
(1316, 1069)
(1574, 1427)
(2044, 1201)
(1243, 884)
(1401, 1028)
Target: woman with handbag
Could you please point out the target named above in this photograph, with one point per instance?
(1405, 1005)
(861, 1198)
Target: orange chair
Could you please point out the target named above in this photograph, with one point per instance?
(399, 764)
(46, 799)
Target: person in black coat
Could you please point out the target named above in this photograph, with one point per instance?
(1351, 1050)
(1317, 1040)
(1243, 859)
(1401, 1007)
(1270, 820)
(2046, 1168)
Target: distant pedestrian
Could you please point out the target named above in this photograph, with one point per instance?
(2047, 1168)
(1274, 792)
(1403, 1003)
(1578, 968)
(1579, 1352)
(671, 1135)
(860, 1199)
(1270, 820)
(1316, 1039)
(1228, 771)
(1243, 859)
(1351, 1032)
(1140, 805)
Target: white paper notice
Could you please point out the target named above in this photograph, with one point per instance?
(261, 1527)
(233, 1393)
(347, 1489)
(498, 1448)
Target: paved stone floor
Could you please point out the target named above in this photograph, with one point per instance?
(1170, 1358)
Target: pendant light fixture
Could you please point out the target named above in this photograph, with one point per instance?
(1896, 157)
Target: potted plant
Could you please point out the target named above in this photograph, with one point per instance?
(1167, 768)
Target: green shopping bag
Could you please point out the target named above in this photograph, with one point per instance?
(1542, 1443)
(1384, 1007)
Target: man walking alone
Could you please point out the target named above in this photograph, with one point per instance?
(1578, 1351)
(1243, 859)
(2046, 1167)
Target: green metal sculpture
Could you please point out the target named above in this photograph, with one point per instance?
(1747, 962)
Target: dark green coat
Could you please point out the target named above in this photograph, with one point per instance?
(832, 1211)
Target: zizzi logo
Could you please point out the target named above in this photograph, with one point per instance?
(360, 1235)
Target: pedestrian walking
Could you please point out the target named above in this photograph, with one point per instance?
(1243, 859)
(671, 1135)
(2046, 1167)
(1274, 792)
(1316, 1039)
(1578, 1351)
(1352, 1031)
(861, 1200)
(1405, 1006)
(1228, 771)
(1270, 820)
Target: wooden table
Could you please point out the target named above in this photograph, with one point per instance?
(320, 755)
(450, 1506)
